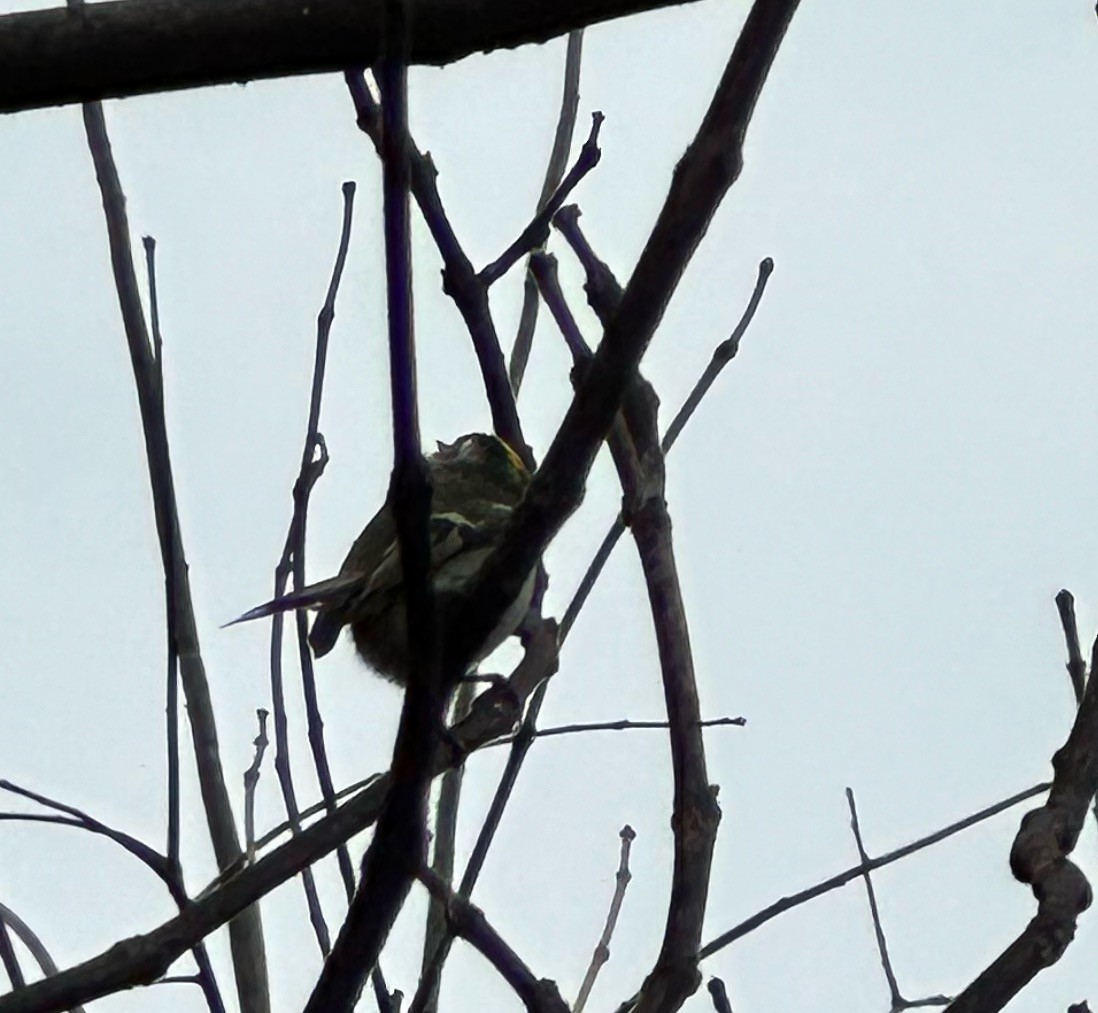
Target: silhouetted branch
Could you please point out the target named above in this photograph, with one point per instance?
(1039, 857)
(398, 847)
(554, 171)
(898, 1002)
(468, 922)
(535, 234)
(460, 280)
(30, 940)
(246, 932)
(848, 875)
(133, 47)
(251, 779)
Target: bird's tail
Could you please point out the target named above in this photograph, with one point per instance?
(325, 592)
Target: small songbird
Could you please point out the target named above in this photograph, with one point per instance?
(478, 480)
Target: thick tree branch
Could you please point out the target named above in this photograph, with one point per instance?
(133, 47)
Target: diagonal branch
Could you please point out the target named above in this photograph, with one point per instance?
(134, 47)
(460, 280)
(142, 959)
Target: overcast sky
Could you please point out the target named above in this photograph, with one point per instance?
(873, 509)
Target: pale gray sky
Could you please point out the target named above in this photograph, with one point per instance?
(873, 509)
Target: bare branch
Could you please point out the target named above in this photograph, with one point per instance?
(459, 278)
(847, 875)
(602, 950)
(143, 959)
(898, 1001)
(398, 847)
(251, 779)
(29, 938)
(554, 171)
(9, 959)
(626, 725)
(535, 234)
(468, 922)
(314, 461)
(719, 995)
(133, 47)
(1039, 857)
(1076, 666)
(246, 932)
(444, 847)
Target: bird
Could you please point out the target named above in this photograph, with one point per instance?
(478, 480)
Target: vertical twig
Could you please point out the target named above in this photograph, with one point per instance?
(171, 705)
(443, 848)
(554, 172)
(602, 949)
(314, 459)
(251, 779)
(310, 471)
(398, 848)
(245, 931)
(897, 1000)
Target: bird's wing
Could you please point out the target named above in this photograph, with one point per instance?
(450, 535)
(324, 592)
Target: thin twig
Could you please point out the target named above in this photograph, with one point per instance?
(603, 295)
(543, 268)
(9, 959)
(1076, 666)
(444, 847)
(311, 468)
(246, 931)
(168, 872)
(29, 938)
(722, 356)
(171, 704)
(468, 922)
(460, 281)
(602, 950)
(897, 1000)
(848, 875)
(719, 995)
(626, 725)
(554, 171)
(535, 234)
(251, 779)
(314, 460)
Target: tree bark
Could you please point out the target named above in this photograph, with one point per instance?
(134, 47)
